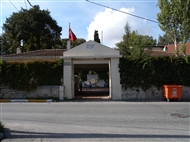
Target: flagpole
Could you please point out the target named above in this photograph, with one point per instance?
(69, 39)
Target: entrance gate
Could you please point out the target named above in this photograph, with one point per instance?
(88, 54)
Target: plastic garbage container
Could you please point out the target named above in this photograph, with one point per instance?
(172, 92)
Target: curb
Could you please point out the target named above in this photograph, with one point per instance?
(25, 100)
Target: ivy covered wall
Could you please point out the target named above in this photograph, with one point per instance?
(31, 74)
(148, 71)
(143, 72)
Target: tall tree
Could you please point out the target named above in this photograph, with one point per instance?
(32, 29)
(133, 44)
(184, 26)
(173, 18)
(96, 36)
(149, 41)
(164, 40)
(4, 45)
(123, 45)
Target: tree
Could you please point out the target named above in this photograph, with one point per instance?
(74, 44)
(133, 44)
(123, 45)
(32, 29)
(185, 26)
(96, 36)
(149, 41)
(164, 40)
(173, 18)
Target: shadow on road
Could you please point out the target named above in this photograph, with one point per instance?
(11, 134)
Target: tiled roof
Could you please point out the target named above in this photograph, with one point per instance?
(54, 53)
(171, 48)
(161, 53)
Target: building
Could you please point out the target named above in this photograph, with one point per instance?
(171, 48)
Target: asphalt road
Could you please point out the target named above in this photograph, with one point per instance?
(86, 121)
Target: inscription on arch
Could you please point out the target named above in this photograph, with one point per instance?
(90, 46)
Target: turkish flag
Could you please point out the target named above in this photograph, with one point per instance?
(72, 36)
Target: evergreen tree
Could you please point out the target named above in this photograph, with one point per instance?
(32, 29)
(96, 36)
(133, 44)
(164, 40)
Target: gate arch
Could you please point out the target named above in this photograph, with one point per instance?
(92, 53)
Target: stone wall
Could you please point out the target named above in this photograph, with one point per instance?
(41, 92)
(152, 94)
(186, 93)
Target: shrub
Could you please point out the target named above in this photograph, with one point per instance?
(148, 71)
(1, 127)
(29, 75)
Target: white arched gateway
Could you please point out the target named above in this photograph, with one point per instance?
(92, 54)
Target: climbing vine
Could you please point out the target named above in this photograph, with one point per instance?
(29, 75)
(148, 71)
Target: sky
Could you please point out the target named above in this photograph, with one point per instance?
(85, 17)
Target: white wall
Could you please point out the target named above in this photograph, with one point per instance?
(68, 78)
(115, 79)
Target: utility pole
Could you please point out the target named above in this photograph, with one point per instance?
(102, 36)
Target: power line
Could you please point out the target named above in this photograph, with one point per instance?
(25, 4)
(13, 5)
(29, 3)
(123, 12)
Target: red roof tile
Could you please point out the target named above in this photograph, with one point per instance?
(161, 53)
(172, 49)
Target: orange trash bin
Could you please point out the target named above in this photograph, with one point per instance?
(172, 92)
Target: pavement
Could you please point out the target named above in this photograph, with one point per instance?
(25, 100)
(84, 120)
(93, 121)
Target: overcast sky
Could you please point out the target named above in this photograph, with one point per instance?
(86, 17)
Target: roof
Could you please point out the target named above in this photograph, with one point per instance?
(91, 49)
(44, 53)
(171, 48)
(58, 53)
(158, 53)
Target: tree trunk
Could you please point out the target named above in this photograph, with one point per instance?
(175, 46)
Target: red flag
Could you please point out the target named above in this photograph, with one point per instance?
(72, 36)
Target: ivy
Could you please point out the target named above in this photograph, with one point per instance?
(29, 75)
(142, 72)
(147, 71)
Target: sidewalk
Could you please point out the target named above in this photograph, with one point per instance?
(25, 100)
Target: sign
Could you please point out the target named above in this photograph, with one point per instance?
(90, 46)
(174, 92)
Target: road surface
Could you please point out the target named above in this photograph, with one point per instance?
(92, 121)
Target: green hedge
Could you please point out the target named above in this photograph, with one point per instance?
(142, 72)
(29, 75)
(1, 128)
(145, 72)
